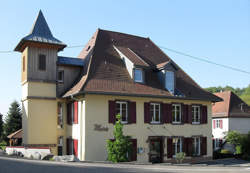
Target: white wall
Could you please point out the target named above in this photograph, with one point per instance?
(218, 132)
(241, 125)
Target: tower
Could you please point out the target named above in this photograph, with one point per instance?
(39, 68)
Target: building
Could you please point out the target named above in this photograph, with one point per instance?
(15, 138)
(231, 114)
(70, 104)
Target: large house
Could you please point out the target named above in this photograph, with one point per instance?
(69, 104)
(231, 114)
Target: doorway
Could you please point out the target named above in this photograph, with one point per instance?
(156, 151)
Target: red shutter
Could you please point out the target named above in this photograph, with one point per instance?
(203, 145)
(204, 115)
(214, 124)
(69, 115)
(146, 113)
(112, 112)
(134, 149)
(169, 117)
(221, 125)
(75, 141)
(169, 148)
(76, 112)
(189, 114)
(132, 112)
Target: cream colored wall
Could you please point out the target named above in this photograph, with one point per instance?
(97, 113)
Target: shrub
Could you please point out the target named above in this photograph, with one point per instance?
(238, 149)
(180, 157)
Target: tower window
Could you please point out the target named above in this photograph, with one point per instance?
(138, 75)
(23, 63)
(42, 62)
(61, 76)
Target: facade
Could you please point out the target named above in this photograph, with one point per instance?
(231, 114)
(72, 102)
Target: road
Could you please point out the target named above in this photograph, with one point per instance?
(13, 165)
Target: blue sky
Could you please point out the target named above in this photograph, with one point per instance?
(216, 30)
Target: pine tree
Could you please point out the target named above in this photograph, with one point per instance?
(118, 148)
(13, 121)
(1, 127)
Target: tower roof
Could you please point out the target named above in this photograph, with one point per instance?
(40, 33)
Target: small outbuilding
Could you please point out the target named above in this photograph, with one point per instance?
(16, 138)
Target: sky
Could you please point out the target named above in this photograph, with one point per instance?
(218, 31)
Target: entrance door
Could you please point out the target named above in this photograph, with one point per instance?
(156, 150)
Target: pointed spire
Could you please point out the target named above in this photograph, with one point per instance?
(40, 27)
(40, 33)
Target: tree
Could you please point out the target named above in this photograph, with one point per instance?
(1, 127)
(118, 148)
(234, 137)
(13, 121)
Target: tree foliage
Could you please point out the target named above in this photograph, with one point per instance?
(243, 93)
(1, 127)
(234, 137)
(118, 148)
(13, 121)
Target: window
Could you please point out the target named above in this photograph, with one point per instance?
(176, 113)
(122, 109)
(23, 63)
(196, 146)
(177, 146)
(60, 146)
(169, 81)
(155, 112)
(42, 62)
(60, 115)
(217, 143)
(217, 124)
(196, 114)
(61, 76)
(138, 75)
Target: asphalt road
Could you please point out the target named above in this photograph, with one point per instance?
(12, 165)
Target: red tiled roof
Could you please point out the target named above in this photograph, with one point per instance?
(232, 106)
(105, 71)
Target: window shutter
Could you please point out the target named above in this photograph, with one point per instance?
(203, 145)
(164, 112)
(76, 112)
(169, 117)
(69, 117)
(68, 146)
(169, 147)
(189, 114)
(132, 112)
(75, 142)
(112, 112)
(146, 113)
(184, 113)
(134, 149)
(204, 115)
(213, 124)
(188, 145)
(221, 125)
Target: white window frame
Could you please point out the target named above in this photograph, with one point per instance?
(120, 110)
(175, 112)
(60, 141)
(60, 114)
(154, 113)
(194, 121)
(176, 145)
(218, 124)
(138, 80)
(197, 141)
(173, 82)
(61, 80)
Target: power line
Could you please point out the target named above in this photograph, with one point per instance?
(177, 52)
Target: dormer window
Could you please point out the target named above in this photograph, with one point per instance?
(138, 75)
(169, 81)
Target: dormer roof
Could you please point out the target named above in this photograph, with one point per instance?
(40, 33)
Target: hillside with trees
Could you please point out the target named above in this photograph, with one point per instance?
(243, 93)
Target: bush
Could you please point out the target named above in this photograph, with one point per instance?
(238, 150)
(180, 157)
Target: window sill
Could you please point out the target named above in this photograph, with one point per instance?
(196, 123)
(155, 122)
(176, 123)
(124, 122)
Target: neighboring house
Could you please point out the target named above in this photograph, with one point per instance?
(231, 114)
(15, 138)
(69, 104)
